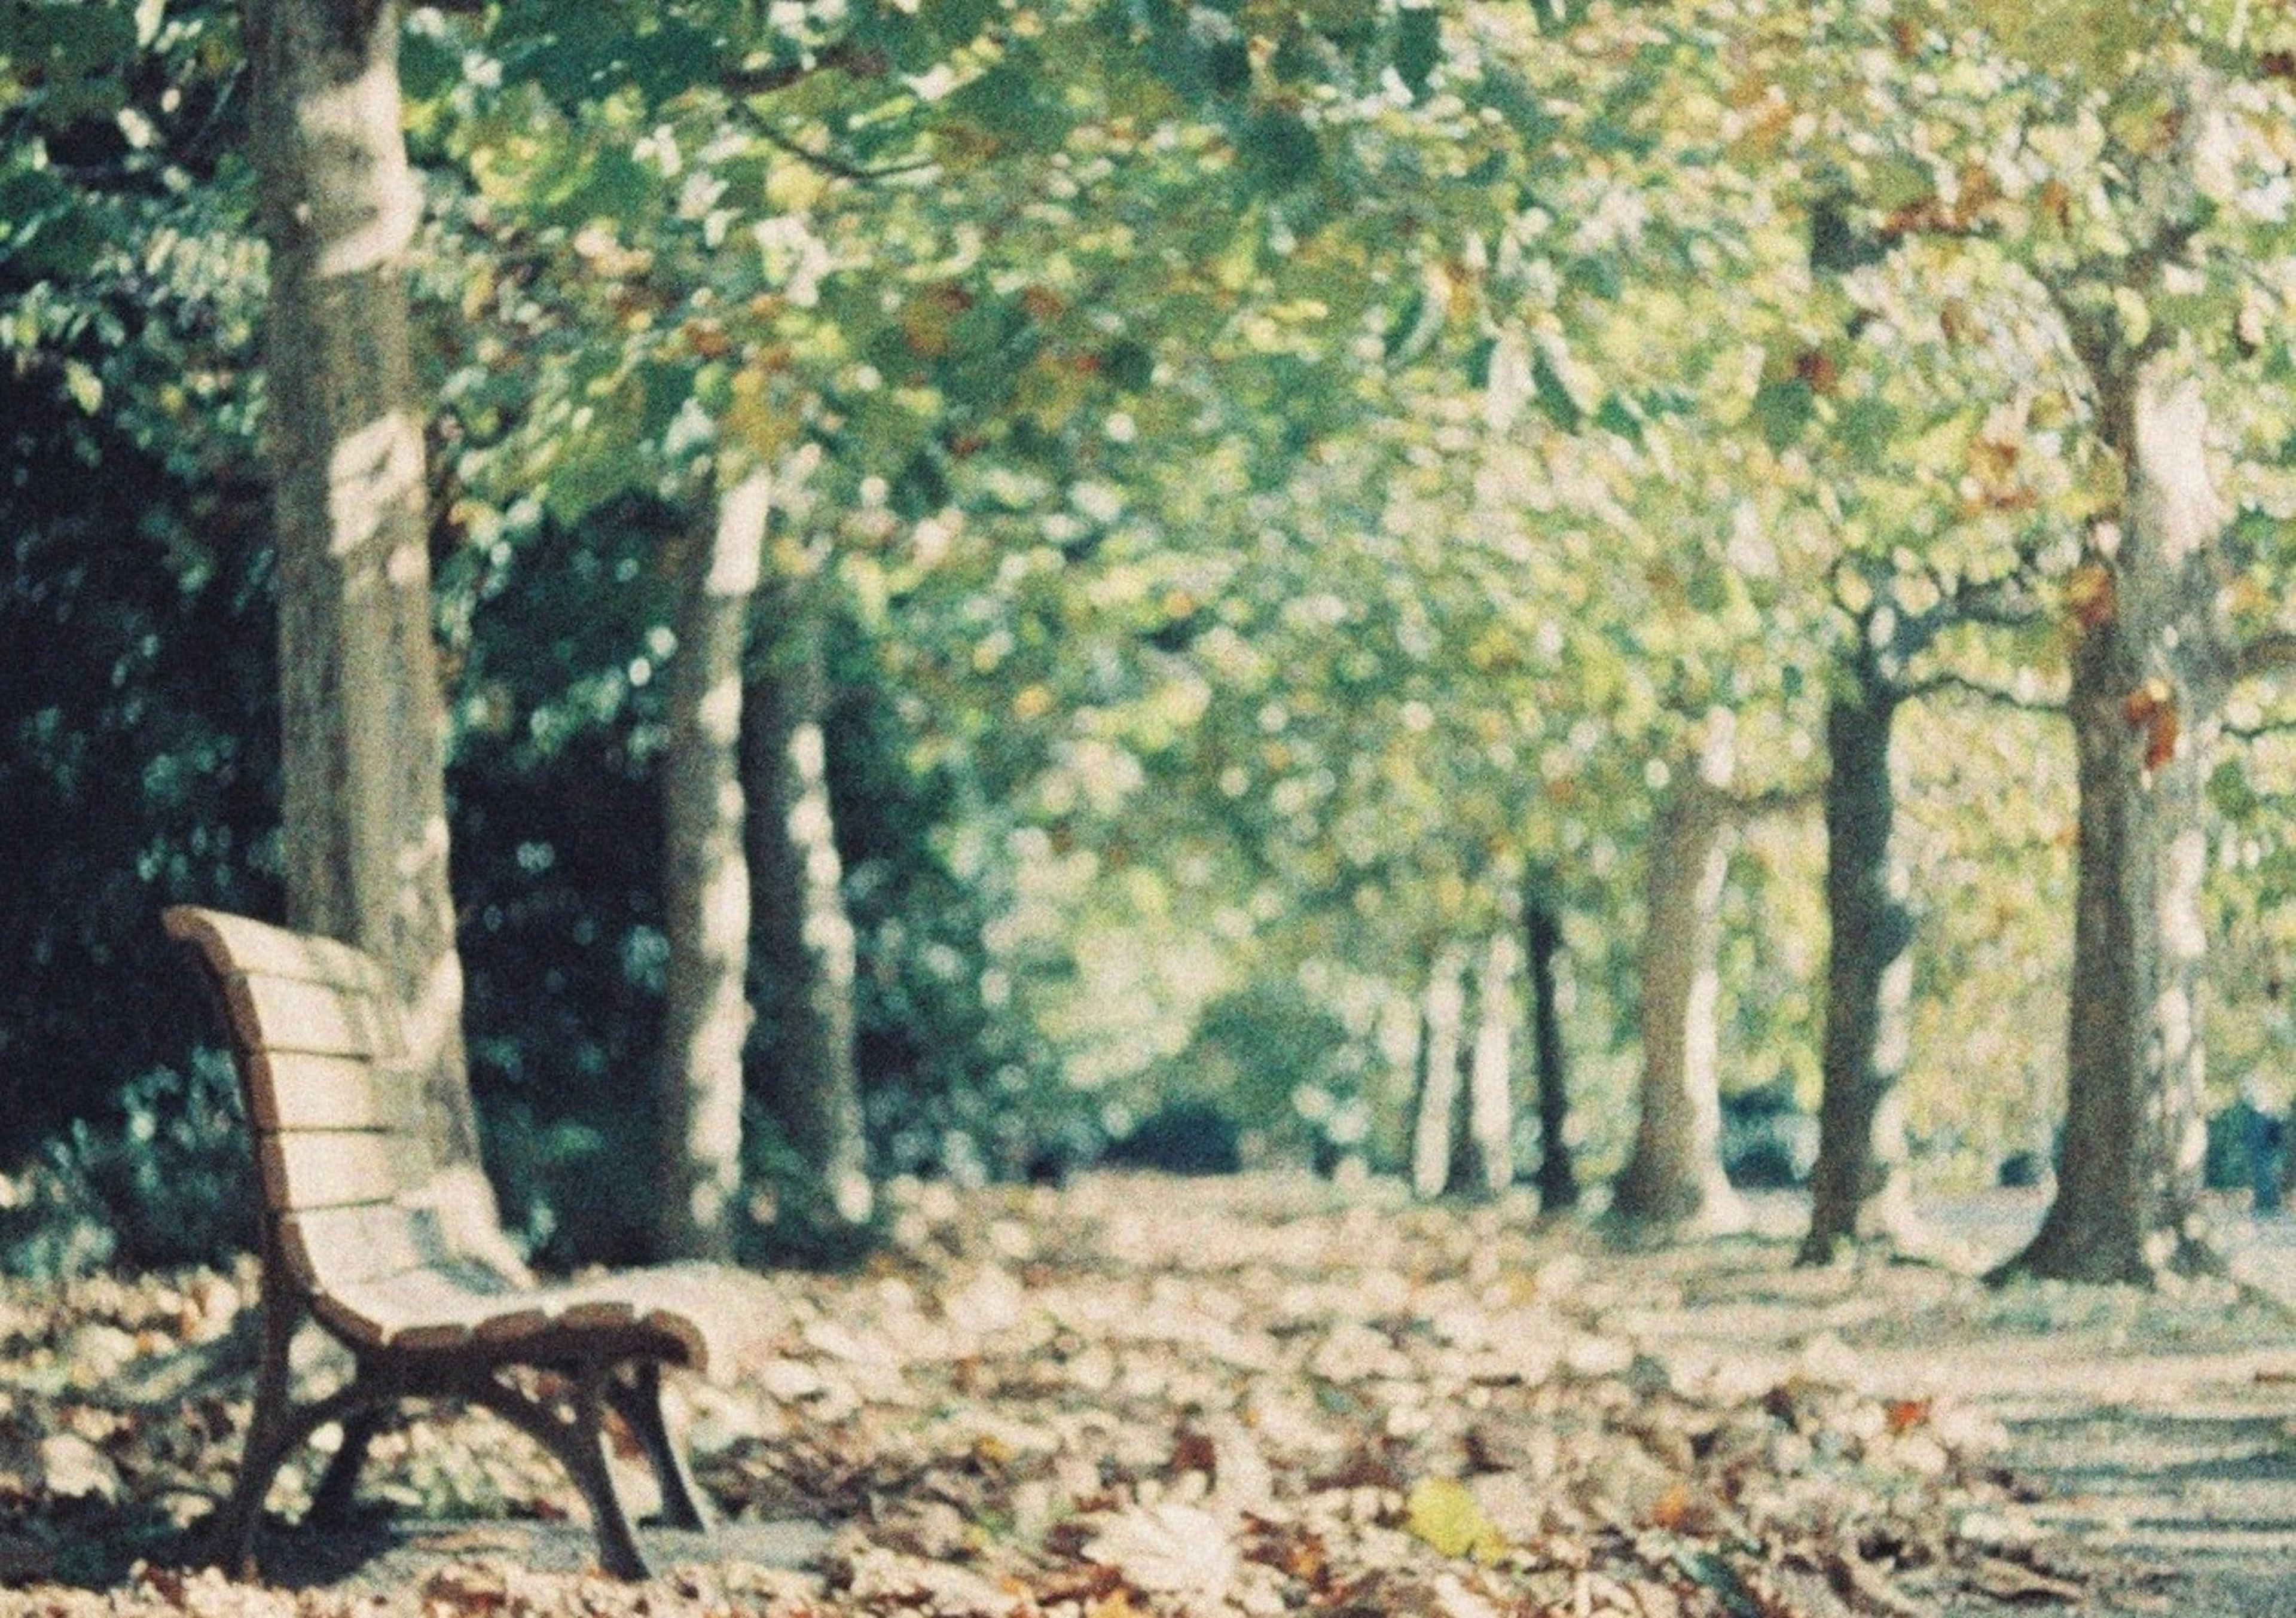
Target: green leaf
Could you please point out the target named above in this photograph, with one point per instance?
(1418, 46)
(1443, 1512)
(1017, 101)
(1280, 152)
(427, 67)
(1615, 416)
(586, 53)
(47, 229)
(85, 386)
(1129, 365)
(1781, 409)
(1553, 397)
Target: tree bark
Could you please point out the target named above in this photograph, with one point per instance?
(1558, 1181)
(363, 720)
(804, 938)
(2149, 682)
(706, 896)
(1859, 1189)
(1442, 1011)
(1674, 1176)
(1490, 1079)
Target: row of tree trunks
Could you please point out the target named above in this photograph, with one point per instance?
(364, 722)
(1463, 1115)
(755, 872)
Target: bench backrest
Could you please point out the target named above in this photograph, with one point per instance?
(351, 1193)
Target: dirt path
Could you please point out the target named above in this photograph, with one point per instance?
(2153, 1442)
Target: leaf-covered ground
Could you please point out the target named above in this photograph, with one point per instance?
(1142, 1396)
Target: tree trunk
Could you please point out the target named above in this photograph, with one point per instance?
(2149, 681)
(1860, 1190)
(1674, 1177)
(1558, 1182)
(363, 737)
(1490, 1079)
(706, 898)
(804, 938)
(1442, 1011)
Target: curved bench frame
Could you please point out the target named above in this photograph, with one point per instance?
(403, 1258)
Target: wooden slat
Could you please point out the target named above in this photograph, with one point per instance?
(309, 1090)
(287, 1014)
(367, 1243)
(239, 943)
(337, 1247)
(424, 1308)
(305, 1169)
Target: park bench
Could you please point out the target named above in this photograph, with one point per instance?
(403, 1258)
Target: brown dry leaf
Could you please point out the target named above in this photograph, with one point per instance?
(462, 1588)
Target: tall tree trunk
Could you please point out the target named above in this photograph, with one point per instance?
(1558, 1181)
(2149, 682)
(804, 937)
(1491, 1077)
(1461, 1175)
(1674, 1177)
(1860, 1190)
(363, 742)
(1442, 1011)
(706, 898)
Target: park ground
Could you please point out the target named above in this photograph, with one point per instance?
(1260, 1394)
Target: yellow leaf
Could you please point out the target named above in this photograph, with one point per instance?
(1442, 1512)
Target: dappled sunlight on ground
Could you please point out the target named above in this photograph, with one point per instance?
(1260, 1394)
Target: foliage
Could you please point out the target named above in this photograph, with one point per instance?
(1285, 470)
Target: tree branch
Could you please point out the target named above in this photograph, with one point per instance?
(1745, 807)
(2261, 729)
(1946, 680)
(838, 167)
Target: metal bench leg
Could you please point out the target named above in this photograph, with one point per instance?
(331, 1500)
(231, 1530)
(637, 1399)
(276, 1431)
(578, 1442)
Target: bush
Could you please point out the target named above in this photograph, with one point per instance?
(1186, 1138)
(165, 1181)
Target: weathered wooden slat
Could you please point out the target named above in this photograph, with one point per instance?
(337, 1247)
(238, 943)
(424, 1310)
(305, 1169)
(314, 1090)
(319, 1019)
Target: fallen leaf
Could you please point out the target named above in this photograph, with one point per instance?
(74, 1468)
(1166, 1550)
(1443, 1512)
